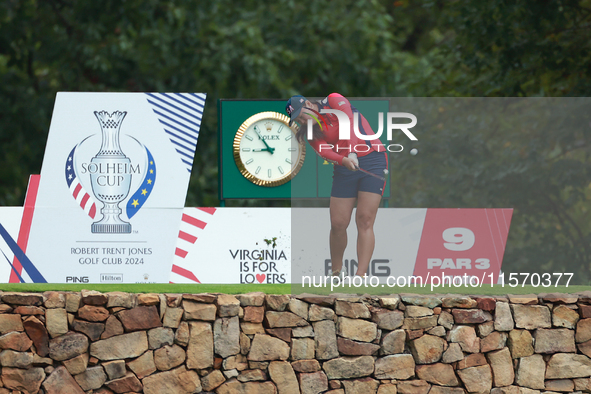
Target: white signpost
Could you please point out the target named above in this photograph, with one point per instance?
(114, 176)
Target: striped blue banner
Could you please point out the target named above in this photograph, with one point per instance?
(180, 114)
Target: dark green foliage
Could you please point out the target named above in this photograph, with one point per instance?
(273, 49)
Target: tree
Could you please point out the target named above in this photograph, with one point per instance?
(536, 160)
(257, 50)
(264, 49)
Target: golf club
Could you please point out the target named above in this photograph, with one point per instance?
(353, 156)
(371, 173)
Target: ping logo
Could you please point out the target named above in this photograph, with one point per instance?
(77, 279)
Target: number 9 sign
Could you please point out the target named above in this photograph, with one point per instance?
(458, 239)
(448, 242)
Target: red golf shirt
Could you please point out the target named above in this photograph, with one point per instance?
(333, 149)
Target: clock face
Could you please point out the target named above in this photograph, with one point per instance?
(266, 149)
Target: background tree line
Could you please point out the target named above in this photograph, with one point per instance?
(273, 49)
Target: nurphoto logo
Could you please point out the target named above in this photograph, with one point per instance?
(345, 130)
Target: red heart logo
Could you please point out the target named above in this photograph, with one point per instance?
(261, 277)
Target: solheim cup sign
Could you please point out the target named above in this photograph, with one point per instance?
(110, 175)
(127, 160)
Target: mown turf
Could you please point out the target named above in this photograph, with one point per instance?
(288, 289)
(150, 288)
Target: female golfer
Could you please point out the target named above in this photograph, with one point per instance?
(349, 184)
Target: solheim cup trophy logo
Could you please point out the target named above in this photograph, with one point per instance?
(112, 179)
(108, 176)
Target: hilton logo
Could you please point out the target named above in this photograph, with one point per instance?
(111, 278)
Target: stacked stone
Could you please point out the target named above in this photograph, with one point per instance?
(90, 342)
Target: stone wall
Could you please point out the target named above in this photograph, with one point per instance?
(91, 342)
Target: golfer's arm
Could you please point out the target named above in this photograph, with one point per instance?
(326, 151)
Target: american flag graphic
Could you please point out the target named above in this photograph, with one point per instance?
(135, 203)
(86, 201)
(193, 223)
(19, 254)
(180, 114)
(25, 228)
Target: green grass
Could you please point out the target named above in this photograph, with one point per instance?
(285, 289)
(149, 288)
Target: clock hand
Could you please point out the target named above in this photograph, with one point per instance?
(262, 139)
(263, 150)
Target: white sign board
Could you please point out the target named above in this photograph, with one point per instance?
(397, 237)
(233, 245)
(115, 174)
(10, 222)
(283, 245)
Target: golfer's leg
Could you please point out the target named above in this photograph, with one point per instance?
(367, 208)
(340, 216)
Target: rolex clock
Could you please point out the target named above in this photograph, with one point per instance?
(266, 149)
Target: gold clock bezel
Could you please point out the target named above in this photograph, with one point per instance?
(236, 148)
